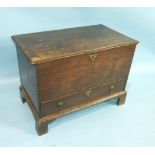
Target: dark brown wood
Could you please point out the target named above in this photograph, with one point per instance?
(28, 78)
(52, 117)
(79, 72)
(121, 99)
(84, 96)
(41, 128)
(41, 46)
(66, 70)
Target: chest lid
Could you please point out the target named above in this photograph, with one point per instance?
(44, 46)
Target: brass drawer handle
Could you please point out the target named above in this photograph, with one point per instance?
(93, 57)
(112, 88)
(60, 104)
(88, 92)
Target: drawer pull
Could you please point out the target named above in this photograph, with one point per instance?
(60, 104)
(92, 57)
(88, 92)
(112, 88)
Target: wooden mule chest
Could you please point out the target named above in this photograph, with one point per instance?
(66, 70)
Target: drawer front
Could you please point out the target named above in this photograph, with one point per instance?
(84, 96)
(64, 76)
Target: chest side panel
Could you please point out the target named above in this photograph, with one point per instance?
(28, 78)
(65, 76)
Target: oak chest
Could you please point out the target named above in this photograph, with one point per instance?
(66, 70)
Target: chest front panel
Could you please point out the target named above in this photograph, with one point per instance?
(64, 76)
(79, 98)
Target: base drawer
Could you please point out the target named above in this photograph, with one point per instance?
(81, 97)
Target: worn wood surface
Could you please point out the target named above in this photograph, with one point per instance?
(28, 78)
(84, 96)
(43, 46)
(66, 70)
(73, 74)
(41, 124)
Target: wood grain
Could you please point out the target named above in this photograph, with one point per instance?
(43, 46)
(67, 70)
